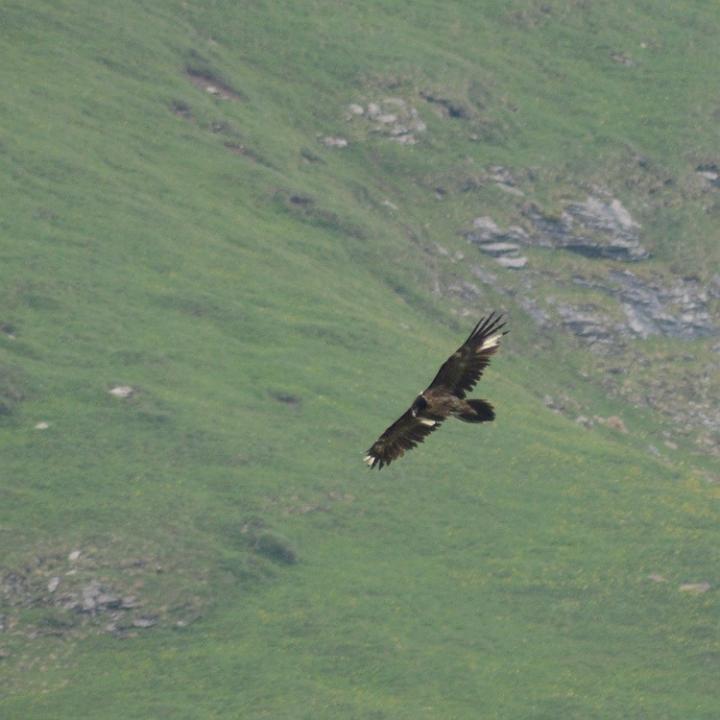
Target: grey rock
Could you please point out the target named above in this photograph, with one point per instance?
(501, 244)
(334, 142)
(510, 189)
(107, 600)
(593, 228)
(499, 248)
(144, 622)
(512, 263)
(387, 118)
(710, 172)
(679, 309)
(122, 391)
(695, 588)
(485, 229)
(587, 322)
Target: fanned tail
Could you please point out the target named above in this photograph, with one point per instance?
(480, 411)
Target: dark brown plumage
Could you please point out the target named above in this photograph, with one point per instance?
(445, 396)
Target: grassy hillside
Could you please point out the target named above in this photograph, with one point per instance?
(176, 221)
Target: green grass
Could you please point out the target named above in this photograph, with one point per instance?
(495, 572)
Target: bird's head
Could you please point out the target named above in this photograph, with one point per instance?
(418, 406)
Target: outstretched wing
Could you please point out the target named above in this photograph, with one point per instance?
(404, 434)
(465, 366)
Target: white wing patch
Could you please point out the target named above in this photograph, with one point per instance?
(492, 341)
(369, 459)
(429, 423)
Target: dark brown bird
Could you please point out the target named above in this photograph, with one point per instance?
(445, 396)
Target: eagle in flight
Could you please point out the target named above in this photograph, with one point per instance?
(445, 396)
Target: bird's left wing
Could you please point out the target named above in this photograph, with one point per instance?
(404, 434)
(465, 366)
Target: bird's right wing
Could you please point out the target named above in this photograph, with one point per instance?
(404, 434)
(465, 366)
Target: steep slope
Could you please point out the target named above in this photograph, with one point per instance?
(236, 241)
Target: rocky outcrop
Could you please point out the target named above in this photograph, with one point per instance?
(679, 308)
(594, 228)
(391, 117)
(503, 245)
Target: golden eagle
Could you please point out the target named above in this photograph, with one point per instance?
(445, 396)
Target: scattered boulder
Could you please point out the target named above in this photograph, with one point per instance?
(212, 84)
(122, 391)
(391, 117)
(710, 172)
(695, 588)
(144, 622)
(42, 425)
(497, 249)
(512, 263)
(334, 142)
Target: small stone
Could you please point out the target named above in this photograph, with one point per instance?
(709, 175)
(510, 189)
(670, 444)
(390, 205)
(695, 588)
(122, 391)
(657, 578)
(356, 109)
(42, 425)
(373, 109)
(334, 142)
(499, 248)
(108, 600)
(74, 555)
(144, 622)
(387, 119)
(129, 602)
(53, 584)
(512, 263)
